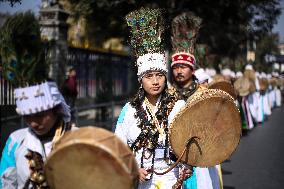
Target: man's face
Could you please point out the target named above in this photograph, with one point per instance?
(182, 74)
(72, 73)
(41, 123)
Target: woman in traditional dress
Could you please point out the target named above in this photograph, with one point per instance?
(144, 121)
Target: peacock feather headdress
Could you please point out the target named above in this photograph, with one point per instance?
(24, 65)
(21, 50)
(185, 28)
(147, 27)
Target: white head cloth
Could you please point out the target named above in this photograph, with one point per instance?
(226, 72)
(233, 74)
(249, 67)
(257, 74)
(201, 75)
(263, 75)
(239, 74)
(210, 71)
(41, 97)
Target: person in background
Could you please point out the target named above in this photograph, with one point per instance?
(70, 92)
(185, 29)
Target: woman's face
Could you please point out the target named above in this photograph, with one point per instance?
(41, 123)
(154, 83)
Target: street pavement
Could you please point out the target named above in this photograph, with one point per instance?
(258, 162)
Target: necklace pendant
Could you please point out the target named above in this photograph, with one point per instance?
(147, 154)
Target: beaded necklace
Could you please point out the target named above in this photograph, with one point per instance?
(151, 128)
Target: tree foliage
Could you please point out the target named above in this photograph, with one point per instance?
(12, 2)
(226, 24)
(21, 50)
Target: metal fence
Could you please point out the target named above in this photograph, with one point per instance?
(102, 75)
(105, 81)
(6, 92)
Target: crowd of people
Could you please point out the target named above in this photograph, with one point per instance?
(258, 93)
(144, 121)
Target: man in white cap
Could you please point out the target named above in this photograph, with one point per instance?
(203, 77)
(38, 101)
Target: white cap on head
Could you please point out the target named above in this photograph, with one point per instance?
(226, 72)
(257, 74)
(275, 74)
(210, 71)
(262, 75)
(239, 74)
(249, 67)
(151, 62)
(202, 76)
(39, 98)
(233, 74)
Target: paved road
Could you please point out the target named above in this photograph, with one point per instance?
(258, 162)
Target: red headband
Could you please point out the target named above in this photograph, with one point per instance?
(183, 58)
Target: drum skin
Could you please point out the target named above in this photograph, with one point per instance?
(242, 86)
(212, 116)
(91, 157)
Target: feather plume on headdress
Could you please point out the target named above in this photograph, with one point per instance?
(146, 28)
(185, 28)
(21, 50)
(25, 66)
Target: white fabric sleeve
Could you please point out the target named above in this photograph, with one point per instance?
(177, 107)
(203, 178)
(121, 125)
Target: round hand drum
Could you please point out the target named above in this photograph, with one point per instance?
(212, 117)
(242, 86)
(225, 86)
(91, 157)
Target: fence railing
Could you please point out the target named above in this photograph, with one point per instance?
(6, 92)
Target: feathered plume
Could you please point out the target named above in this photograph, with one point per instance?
(146, 26)
(21, 50)
(185, 28)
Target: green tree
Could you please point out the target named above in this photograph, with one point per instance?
(226, 24)
(21, 50)
(12, 2)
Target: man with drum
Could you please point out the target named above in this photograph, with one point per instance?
(185, 28)
(42, 106)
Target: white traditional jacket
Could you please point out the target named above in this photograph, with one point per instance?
(14, 168)
(127, 130)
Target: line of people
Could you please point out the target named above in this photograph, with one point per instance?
(143, 123)
(257, 93)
